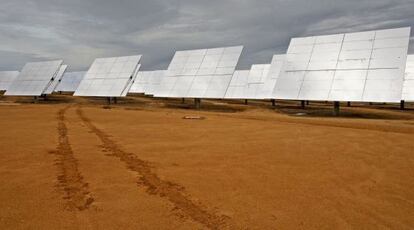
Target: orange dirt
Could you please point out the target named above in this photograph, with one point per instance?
(75, 163)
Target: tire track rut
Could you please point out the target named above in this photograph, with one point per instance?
(156, 186)
(69, 178)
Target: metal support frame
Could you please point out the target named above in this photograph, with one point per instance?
(197, 103)
(273, 102)
(336, 108)
(112, 100)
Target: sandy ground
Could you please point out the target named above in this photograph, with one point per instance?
(74, 163)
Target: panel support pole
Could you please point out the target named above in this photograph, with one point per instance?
(197, 103)
(273, 102)
(349, 104)
(182, 100)
(302, 104)
(307, 102)
(336, 108)
(402, 105)
(246, 102)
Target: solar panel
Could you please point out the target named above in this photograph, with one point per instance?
(70, 81)
(365, 66)
(6, 78)
(141, 82)
(408, 89)
(155, 81)
(184, 66)
(34, 78)
(129, 84)
(265, 91)
(56, 80)
(238, 85)
(204, 73)
(255, 81)
(109, 77)
(167, 83)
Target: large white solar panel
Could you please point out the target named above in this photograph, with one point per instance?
(70, 81)
(366, 66)
(155, 81)
(218, 86)
(204, 73)
(141, 82)
(255, 82)
(109, 77)
(408, 89)
(167, 83)
(184, 66)
(266, 89)
(34, 78)
(238, 85)
(56, 80)
(129, 84)
(6, 78)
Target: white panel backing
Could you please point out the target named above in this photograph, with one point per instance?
(141, 82)
(109, 77)
(408, 90)
(257, 76)
(204, 73)
(56, 80)
(6, 79)
(364, 66)
(266, 89)
(238, 85)
(155, 81)
(34, 78)
(70, 81)
(129, 84)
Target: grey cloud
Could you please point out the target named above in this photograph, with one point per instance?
(79, 31)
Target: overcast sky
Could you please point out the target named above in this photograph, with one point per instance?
(78, 31)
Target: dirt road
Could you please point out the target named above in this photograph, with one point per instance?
(80, 165)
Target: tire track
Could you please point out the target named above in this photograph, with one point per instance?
(156, 186)
(69, 178)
